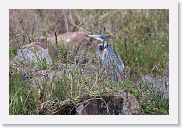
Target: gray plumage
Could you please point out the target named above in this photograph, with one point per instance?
(110, 59)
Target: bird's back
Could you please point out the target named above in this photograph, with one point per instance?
(114, 59)
(111, 62)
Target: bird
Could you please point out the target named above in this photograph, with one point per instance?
(110, 59)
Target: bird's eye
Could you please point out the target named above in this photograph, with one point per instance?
(100, 47)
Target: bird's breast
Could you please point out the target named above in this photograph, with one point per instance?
(104, 54)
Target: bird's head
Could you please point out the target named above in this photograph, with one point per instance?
(101, 38)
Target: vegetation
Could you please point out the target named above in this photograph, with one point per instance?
(140, 36)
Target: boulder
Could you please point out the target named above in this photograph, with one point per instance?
(34, 53)
(155, 84)
(121, 104)
(69, 38)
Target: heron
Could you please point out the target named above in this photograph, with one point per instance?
(110, 59)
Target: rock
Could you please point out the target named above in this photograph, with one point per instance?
(122, 104)
(156, 84)
(71, 39)
(34, 53)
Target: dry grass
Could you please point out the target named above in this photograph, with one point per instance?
(140, 37)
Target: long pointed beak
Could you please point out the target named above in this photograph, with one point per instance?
(97, 37)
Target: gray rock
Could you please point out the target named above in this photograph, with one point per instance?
(156, 84)
(34, 53)
(122, 104)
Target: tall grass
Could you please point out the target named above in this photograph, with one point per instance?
(139, 36)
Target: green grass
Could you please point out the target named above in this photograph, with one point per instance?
(20, 92)
(141, 40)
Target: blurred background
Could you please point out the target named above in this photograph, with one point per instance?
(141, 37)
(141, 29)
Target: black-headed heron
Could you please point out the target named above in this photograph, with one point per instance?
(110, 59)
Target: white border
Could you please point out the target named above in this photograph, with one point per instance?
(172, 5)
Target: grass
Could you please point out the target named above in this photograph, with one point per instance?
(139, 36)
(20, 92)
